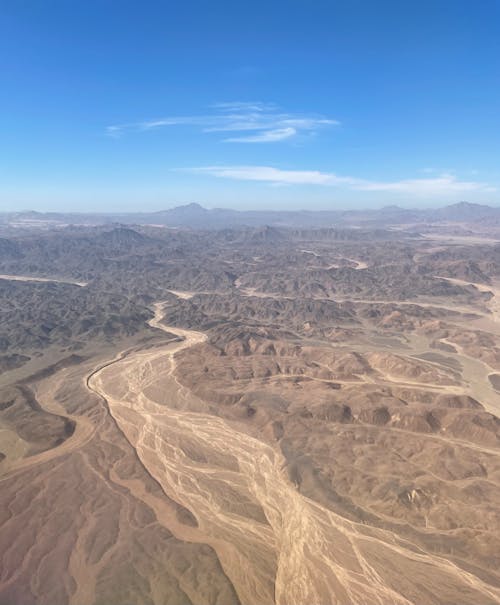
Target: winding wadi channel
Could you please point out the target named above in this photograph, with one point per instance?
(274, 544)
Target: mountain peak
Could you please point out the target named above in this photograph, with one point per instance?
(192, 207)
(467, 205)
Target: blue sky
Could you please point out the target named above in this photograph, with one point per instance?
(294, 104)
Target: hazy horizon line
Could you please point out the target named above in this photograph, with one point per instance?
(249, 209)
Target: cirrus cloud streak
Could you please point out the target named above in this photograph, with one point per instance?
(443, 184)
(249, 122)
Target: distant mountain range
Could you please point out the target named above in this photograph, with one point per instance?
(195, 216)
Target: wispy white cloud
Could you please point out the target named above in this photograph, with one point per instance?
(152, 124)
(114, 131)
(266, 136)
(444, 184)
(271, 175)
(264, 120)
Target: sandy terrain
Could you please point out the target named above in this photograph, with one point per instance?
(183, 295)
(43, 279)
(291, 425)
(244, 504)
(493, 303)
